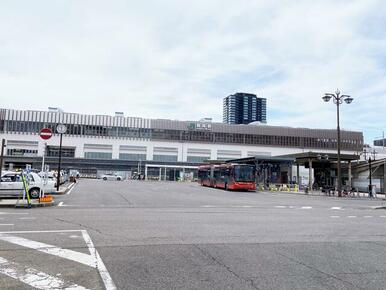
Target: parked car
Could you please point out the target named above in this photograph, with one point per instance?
(48, 180)
(110, 176)
(12, 184)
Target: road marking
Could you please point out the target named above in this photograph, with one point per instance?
(335, 216)
(280, 206)
(368, 216)
(6, 224)
(208, 206)
(14, 213)
(306, 207)
(60, 203)
(109, 283)
(33, 277)
(39, 232)
(352, 216)
(72, 187)
(50, 249)
(246, 206)
(382, 216)
(336, 208)
(27, 218)
(92, 260)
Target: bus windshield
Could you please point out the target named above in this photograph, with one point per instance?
(244, 173)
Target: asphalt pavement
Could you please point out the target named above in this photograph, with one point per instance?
(170, 235)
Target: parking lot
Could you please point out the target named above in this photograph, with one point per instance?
(171, 235)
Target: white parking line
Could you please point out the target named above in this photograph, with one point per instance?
(6, 224)
(72, 187)
(306, 207)
(33, 277)
(336, 208)
(352, 216)
(3, 213)
(27, 218)
(335, 216)
(280, 206)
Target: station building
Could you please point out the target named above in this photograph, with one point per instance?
(102, 142)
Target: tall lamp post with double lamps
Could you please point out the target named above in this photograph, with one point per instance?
(338, 99)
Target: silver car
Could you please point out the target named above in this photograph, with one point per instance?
(111, 176)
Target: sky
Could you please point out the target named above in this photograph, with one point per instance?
(178, 59)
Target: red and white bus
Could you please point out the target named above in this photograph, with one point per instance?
(228, 176)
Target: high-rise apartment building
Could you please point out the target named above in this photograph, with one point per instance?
(244, 108)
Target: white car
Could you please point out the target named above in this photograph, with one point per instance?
(111, 177)
(12, 185)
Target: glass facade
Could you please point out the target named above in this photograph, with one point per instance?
(98, 155)
(165, 158)
(299, 139)
(22, 152)
(53, 151)
(132, 156)
(196, 159)
(243, 108)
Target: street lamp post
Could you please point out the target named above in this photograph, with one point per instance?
(369, 161)
(338, 99)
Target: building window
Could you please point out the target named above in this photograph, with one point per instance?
(165, 158)
(98, 155)
(132, 156)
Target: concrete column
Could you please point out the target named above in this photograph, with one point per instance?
(149, 152)
(349, 175)
(213, 154)
(160, 174)
(310, 174)
(115, 153)
(145, 172)
(384, 178)
(297, 174)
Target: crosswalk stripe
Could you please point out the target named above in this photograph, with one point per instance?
(34, 277)
(50, 249)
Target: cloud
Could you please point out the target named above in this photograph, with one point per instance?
(178, 59)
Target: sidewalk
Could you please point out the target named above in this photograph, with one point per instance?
(362, 195)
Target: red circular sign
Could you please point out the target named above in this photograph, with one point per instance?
(45, 133)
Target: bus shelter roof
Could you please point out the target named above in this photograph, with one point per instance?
(269, 159)
(301, 158)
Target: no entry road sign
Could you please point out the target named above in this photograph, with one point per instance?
(45, 133)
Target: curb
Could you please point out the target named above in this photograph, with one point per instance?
(379, 207)
(25, 205)
(61, 192)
